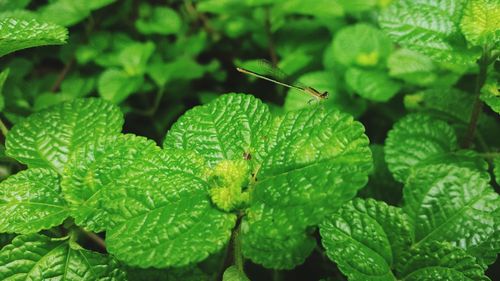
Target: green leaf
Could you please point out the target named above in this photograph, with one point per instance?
(31, 201)
(158, 215)
(3, 77)
(65, 12)
(412, 67)
(97, 4)
(480, 22)
(415, 138)
(288, 194)
(38, 257)
(224, 129)
(365, 238)
(453, 204)
(496, 169)
(372, 84)
(285, 251)
(232, 273)
(361, 45)
(134, 57)
(6, 5)
(439, 261)
(99, 164)
(447, 103)
(182, 68)
(381, 184)
(490, 94)
(115, 85)
(357, 6)
(17, 34)
(188, 273)
(318, 8)
(157, 20)
(429, 27)
(46, 138)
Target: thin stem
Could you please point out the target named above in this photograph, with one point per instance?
(3, 128)
(272, 49)
(478, 103)
(151, 111)
(62, 75)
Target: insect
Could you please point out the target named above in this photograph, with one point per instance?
(267, 69)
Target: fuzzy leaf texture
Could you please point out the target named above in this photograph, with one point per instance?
(366, 238)
(17, 34)
(430, 27)
(31, 201)
(415, 138)
(481, 22)
(46, 138)
(454, 204)
(37, 257)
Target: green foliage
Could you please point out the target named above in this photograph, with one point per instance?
(33, 201)
(46, 138)
(393, 177)
(430, 27)
(17, 34)
(38, 257)
(480, 22)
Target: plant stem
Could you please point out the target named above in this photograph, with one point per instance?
(62, 75)
(272, 49)
(3, 128)
(478, 103)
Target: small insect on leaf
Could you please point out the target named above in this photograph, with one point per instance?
(264, 69)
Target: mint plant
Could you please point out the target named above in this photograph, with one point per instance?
(133, 150)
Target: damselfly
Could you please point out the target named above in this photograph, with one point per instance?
(264, 69)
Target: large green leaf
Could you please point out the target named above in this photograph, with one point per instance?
(430, 27)
(158, 215)
(439, 261)
(366, 238)
(224, 129)
(36, 257)
(17, 34)
(361, 45)
(481, 22)
(46, 138)
(453, 204)
(31, 201)
(373, 85)
(102, 163)
(285, 251)
(413, 139)
(313, 161)
(412, 67)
